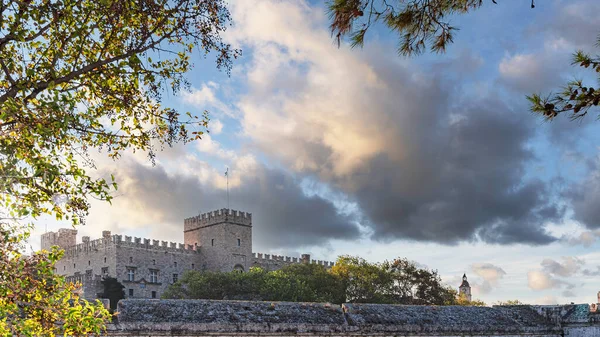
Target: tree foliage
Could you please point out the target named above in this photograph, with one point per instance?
(112, 290)
(419, 24)
(36, 302)
(351, 279)
(77, 75)
(576, 98)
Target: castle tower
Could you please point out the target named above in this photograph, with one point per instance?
(465, 288)
(65, 237)
(224, 238)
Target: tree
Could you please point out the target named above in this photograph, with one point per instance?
(77, 75)
(576, 99)
(113, 290)
(419, 23)
(462, 300)
(509, 302)
(413, 285)
(36, 302)
(363, 281)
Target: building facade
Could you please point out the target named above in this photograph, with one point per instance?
(215, 241)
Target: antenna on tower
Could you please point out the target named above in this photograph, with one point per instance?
(227, 176)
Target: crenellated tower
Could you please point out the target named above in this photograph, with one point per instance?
(224, 238)
(64, 238)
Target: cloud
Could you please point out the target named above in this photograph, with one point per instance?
(539, 280)
(546, 300)
(546, 278)
(422, 159)
(490, 273)
(584, 197)
(587, 272)
(283, 216)
(215, 127)
(529, 73)
(206, 98)
(570, 266)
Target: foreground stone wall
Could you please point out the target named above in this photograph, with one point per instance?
(246, 318)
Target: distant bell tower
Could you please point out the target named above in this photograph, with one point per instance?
(223, 237)
(465, 288)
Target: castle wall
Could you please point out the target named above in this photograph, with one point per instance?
(88, 259)
(270, 262)
(145, 255)
(248, 318)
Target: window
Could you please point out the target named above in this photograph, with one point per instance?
(212, 242)
(239, 242)
(73, 265)
(130, 259)
(153, 276)
(130, 274)
(88, 273)
(192, 266)
(130, 292)
(64, 267)
(153, 261)
(175, 278)
(154, 294)
(104, 270)
(105, 260)
(89, 263)
(175, 264)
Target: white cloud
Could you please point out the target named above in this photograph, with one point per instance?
(206, 98)
(215, 126)
(490, 274)
(538, 280)
(568, 267)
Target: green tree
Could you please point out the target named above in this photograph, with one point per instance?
(414, 285)
(577, 98)
(462, 300)
(77, 75)
(419, 24)
(36, 302)
(363, 281)
(113, 290)
(509, 302)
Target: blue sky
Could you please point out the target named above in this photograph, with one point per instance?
(360, 151)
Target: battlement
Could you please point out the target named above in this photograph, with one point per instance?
(117, 240)
(129, 241)
(217, 217)
(259, 257)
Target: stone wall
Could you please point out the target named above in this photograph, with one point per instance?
(246, 318)
(274, 262)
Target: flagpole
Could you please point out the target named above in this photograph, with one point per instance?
(227, 176)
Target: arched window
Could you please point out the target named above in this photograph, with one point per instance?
(238, 268)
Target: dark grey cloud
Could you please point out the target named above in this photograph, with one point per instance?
(584, 197)
(453, 164)
(569, 267)
(283, 216)
(458, 179)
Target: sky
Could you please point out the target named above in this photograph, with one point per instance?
(364, 152)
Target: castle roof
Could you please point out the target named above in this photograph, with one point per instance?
(465, 283)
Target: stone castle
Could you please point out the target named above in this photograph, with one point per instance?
(215, 241)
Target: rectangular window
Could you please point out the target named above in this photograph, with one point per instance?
(192, 266)
(153, 276)
(89, 263)
(130, 274)
(104, 260)
(154, 294)
(153, 261)
(104, 270)
(175, 278)
(175, 264)
(212, 242)
(239, 242)
(130, 292)
(130, 259)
